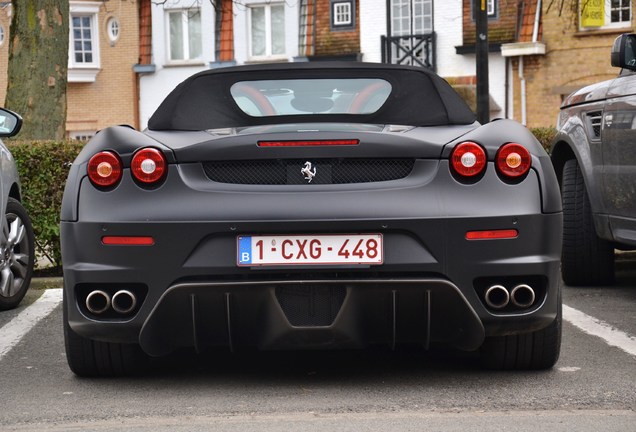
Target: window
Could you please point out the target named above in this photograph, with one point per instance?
(1, 35)
(491, 8)
(81, 135)
(342, 14)
(605, 13)
(184, 34)
(620, 11)
(267, 31)
(113, 29)
(83, 59)
(83, 42)
(310, 96)
(411, 17)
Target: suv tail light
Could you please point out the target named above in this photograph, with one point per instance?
(148, 165)
(104, 169)
(513, 160)
(468, 159)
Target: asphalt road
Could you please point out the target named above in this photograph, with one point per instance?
(592, 387)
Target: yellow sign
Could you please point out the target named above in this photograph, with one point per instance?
(592, 13)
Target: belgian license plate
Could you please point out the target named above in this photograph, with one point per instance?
(281, 250)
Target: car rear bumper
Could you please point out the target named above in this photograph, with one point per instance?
(429, 289)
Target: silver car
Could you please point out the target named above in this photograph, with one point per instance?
(16, 234)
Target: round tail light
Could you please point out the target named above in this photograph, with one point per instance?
(148, 165)
(513, 160)
(468, 159)
(104, 169)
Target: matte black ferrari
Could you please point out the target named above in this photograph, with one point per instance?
(311, 206)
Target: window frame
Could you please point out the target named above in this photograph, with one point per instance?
(344, 25)
(188, 59)
(268, 33)
(491, 8)
(84, 71)
(113, 29)
(411, 18)
(608, 24)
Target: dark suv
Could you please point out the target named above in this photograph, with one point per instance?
(594, 155)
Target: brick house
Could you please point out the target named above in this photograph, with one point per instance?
(576, 52)
(103, 47)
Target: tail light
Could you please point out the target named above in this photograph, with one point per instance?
(148, 165)
(468, 159)
(513, 160)
(104, 169)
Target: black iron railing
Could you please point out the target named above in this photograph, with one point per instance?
(414, 50)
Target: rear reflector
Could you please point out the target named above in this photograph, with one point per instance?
(492, 234)
(127, 241)
(311, 143)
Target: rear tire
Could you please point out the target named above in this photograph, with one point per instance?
(91, 358)
(586, 258)
(536, 350)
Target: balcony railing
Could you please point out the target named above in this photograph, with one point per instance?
(413, 50)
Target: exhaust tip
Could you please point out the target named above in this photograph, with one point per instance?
(124, 301)
(97, 302)
(522, 296)
(497, 297)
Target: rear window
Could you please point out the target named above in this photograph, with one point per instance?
(267, 98)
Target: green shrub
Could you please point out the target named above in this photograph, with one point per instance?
(544, 135)
(43, 168)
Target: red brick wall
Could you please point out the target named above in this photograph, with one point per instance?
(501, 29)
(338, 42)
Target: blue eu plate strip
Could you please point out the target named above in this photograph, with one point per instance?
(245, 250)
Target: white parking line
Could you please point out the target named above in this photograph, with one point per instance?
(596, 327)
(14, 330)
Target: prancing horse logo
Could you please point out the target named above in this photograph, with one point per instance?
(308, 173)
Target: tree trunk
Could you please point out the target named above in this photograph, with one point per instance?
(38, 63)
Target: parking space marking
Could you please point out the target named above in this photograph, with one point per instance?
(14, 330)
(596, 327)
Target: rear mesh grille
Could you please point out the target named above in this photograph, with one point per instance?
(327, 171)
(311, 306)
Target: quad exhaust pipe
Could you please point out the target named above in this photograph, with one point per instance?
(98, 302)
(521, 296)
(497, 297)
(122, 302)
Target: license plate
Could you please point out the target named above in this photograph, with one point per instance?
(281, 250)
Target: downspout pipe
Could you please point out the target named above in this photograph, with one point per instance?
(522, 80)
(537, 17)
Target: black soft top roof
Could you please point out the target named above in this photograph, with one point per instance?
(418, 97)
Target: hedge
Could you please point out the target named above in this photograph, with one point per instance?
(44, 166)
